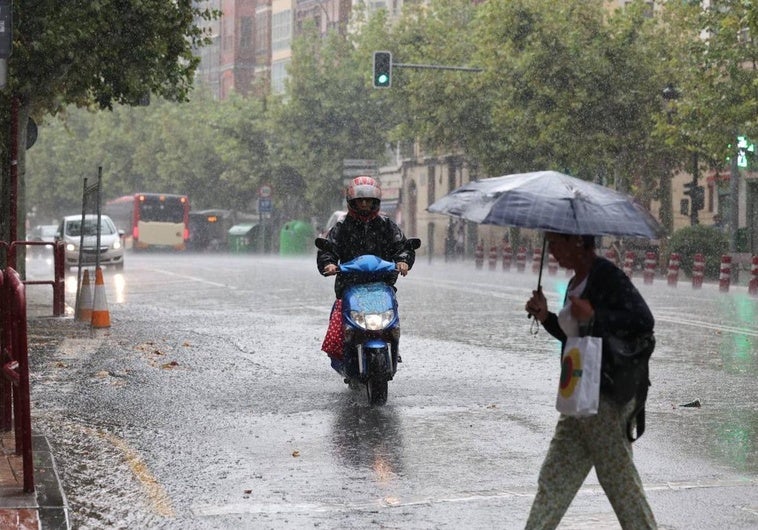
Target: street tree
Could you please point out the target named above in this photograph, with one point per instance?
(714, 69)
(329, 113)
(93, 54)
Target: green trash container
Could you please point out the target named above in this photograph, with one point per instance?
(296, 238)
(243, 238)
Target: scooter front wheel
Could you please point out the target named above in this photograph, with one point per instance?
(377, 391)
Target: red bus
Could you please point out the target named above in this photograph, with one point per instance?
(152, 220)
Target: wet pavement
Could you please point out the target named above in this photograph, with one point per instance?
(207, 405)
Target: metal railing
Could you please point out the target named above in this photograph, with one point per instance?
(59, 270)
(15, 406)
(58, 281)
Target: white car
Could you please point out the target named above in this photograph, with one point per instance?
(111, 248)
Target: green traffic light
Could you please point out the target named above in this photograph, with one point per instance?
(382, 69)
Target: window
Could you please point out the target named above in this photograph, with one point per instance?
(278, 75)
(281, 30)
(261, 32)
(246, 32)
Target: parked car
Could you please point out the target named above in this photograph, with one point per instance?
(41, 233)
(111, 249)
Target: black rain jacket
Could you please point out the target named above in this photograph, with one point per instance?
(352, 237)
(619, 308)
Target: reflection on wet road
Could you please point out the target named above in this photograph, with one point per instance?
(208, 404)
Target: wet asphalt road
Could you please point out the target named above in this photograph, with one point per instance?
(208, 404)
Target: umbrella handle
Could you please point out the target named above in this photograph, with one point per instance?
(542, 261)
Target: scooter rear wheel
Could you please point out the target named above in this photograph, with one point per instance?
(377, 391)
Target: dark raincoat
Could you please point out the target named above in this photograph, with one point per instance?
(352, 237)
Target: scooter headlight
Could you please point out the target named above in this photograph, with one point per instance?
(372, 321)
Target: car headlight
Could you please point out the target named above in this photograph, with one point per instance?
(70, 247)
(372, 321)
(116, 244)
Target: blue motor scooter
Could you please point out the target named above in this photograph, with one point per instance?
(371, 323)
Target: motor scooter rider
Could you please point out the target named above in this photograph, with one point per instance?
(364, 230)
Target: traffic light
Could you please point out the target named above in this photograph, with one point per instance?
(382, 69)
(698, 198)
(744, 146)
(696, 194)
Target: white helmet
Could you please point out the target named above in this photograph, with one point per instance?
(363, 188)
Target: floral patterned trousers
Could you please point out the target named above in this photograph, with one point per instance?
(577, 445)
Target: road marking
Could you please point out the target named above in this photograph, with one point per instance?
(157, 497)
(708, 325)
(193, 278)
(487, 289)
(394, 502)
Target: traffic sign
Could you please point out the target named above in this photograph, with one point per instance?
(265, 191)
(264, 205)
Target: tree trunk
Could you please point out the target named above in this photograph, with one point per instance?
(13, 195)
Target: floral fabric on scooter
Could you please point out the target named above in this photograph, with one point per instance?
(335, 333)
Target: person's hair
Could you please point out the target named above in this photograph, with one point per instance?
(588, 241)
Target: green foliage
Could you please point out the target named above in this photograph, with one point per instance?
(569, 87)
(699, 239)
(713, 62)
(102, 52)
(566, 85)
(330, 113)
(92, 54)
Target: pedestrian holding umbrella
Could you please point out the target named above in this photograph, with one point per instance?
(602, 305)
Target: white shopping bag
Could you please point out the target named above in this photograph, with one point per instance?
(579, 387)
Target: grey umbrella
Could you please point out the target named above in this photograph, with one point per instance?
(549, 201)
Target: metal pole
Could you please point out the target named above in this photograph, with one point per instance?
(693, 210)
(98, 230)
(435, 67)
(734, 189)
(13, 214)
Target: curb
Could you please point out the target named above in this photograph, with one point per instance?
(51, 500)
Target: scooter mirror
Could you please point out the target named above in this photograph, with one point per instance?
(414, 243)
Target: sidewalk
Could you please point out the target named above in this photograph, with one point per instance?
(45, 508)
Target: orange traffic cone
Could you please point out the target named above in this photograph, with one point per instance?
(101, 318)
(84, 307)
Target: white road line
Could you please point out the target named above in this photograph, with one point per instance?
(393, 502)
(193, 278)
(708, 325)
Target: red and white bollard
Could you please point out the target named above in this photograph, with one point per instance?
(725, 273)
(698, 271)
(492, 261)
(673, 273)
(552, 265)
(629, 264)
(648, 274)
(521, 259)
(507, 257)
(536, 260)
(752, 286)
(612, 256)
(479, 256)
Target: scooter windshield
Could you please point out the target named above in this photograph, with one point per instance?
(370, 298)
